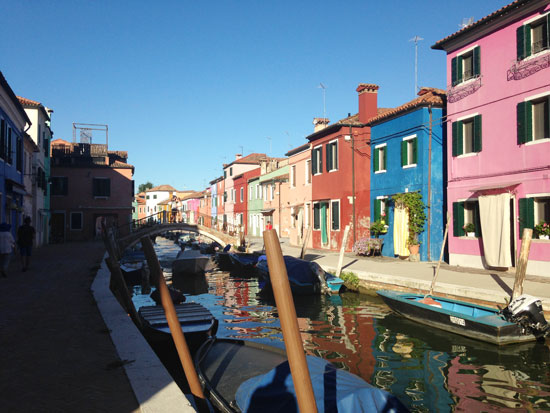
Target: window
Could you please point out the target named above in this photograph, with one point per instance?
(316, 216)
(308, 171)
(533, 211)
(335, 215)
(9, 144)
(380, 158)
(250, 192)
(76, 221)
(3, 139)
(466, 212)
(60, 185)
(409, 149)
(147, 197)
(532, 38)
(465, 66)
(231, 171)
(102, 187)
(242, 194)
(154, 197)
(332, 156)
(272, 192)
(381, 209)
(467, 136)
(293, 176)
(19, 154)
(533, 120)
(317, 160)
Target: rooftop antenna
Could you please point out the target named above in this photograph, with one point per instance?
(416, 39)
(466, 21)
(288, 139)
(269, 139)
(321, 86)
(242, 150)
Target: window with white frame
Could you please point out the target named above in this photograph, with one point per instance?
(381, 209)
(317, 160)
(332, 155)
(293, 176)
(272, 191)
(409, 150)
(335, 215)
(532, 37)
(308, 172)
(533, 119)
(466, 215)
(242, 194)
(76, 221)
(380, 158)
(466, 137)
(533, 211)
(465, 66)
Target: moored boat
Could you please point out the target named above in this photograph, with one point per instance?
(243, 262)
(487, 324)
(246, 376)
(190, 262)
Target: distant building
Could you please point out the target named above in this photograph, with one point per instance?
(153, 198)
(274, 187)
(90, 186)
(241, 201)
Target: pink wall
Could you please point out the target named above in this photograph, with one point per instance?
(299, 195)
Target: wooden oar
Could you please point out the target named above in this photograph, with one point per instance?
(427, 300)
(289, 323)
(174, 325)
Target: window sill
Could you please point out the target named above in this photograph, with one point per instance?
(381, 171)
(534, 56)
(467, 237)
(537, 141)
(467, 155)
(409, 166)
(467, 81)
(333, 170)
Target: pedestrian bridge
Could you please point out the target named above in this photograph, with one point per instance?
(152, 229)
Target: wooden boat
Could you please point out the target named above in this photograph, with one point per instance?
(243, 262)
(305, 277)
(197, 323)
(460, 317)
(190, 262)
(132, 272)
(246, 376)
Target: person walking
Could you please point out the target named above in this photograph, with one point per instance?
(25, 239)
(7, 244)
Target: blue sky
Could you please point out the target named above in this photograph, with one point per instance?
(184, 86)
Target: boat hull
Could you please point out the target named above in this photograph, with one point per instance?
(459, 317)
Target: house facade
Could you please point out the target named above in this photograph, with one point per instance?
(407, 156)
(340, 163)
(299, 194)
(256, 221)
(215, 200)
(242, 195)
(274, 188)
(90, 186)
(13, 122)
(154, 196)
(498, 136)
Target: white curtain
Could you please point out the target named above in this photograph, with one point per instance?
(494, 214)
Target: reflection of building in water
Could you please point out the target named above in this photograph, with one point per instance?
(404, 366)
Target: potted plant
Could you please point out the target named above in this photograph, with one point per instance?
(543, 230)
(377, 228)
(470, 229)
(412, 201)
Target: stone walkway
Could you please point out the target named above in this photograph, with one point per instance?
(57, 354)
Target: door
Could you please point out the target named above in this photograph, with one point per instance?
(324, 223)
(58, 227)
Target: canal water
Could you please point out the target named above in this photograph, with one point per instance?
(429, 370)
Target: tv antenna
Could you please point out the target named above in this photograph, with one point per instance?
(269, 139)
(416, 39)
(321, 86)
(466, 21)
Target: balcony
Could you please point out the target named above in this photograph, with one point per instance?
(521, 69)
(465, 88)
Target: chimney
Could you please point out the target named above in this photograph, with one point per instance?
(368, 101)
(319, 124)
(238, 156)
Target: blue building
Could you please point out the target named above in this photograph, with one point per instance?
(407, 148)
(13, 123)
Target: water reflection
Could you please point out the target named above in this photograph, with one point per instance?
(428, 369)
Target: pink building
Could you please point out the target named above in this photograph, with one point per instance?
(299, 194)
(498, 142)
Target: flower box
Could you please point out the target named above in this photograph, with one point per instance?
(471, 234)
(544, 236)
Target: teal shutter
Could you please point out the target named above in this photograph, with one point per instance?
(526, 214)
(458, 219)
(477, 62)
(453, 71)
(520, 42)
(403, 153)
(477, 133)
(477, 220)
(459, 69)
(415, 150)
(375, 161)
(377, 207)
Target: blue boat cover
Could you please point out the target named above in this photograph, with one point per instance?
(335, 391)
(298, 270)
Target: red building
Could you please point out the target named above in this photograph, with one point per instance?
(340, 165)
(240, 182)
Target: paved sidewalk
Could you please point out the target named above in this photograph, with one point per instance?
(57, 354)
(494, 287)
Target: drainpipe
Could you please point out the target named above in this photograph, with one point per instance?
(353, 183)
(429, 182)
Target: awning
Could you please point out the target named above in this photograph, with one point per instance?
(15, 186)
(268, 211)
(497, 185)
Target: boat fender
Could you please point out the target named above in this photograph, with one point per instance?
(527, 312)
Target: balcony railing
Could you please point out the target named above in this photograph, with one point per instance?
(465, 88)
(529, 66)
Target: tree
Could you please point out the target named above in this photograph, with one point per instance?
(144, 187)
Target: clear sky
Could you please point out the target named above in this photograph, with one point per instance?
(186, 85)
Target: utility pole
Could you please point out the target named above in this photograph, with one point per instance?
(416, 39)
(321, 86)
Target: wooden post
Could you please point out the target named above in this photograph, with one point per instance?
(521, 265)
(289, 323)
(304, 246)
(342, 250)
(174, 324)
(440, 254)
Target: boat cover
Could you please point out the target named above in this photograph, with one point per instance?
(335, 391)
(298, 270)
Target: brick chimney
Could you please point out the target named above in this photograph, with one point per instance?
(368, 101)
(319, 124)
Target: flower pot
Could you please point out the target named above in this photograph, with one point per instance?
(471, 234)
(414, 249)
(544, 236)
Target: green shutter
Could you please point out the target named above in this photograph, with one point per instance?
(524, 122)
(377, 205)
(453, 71)
(459, 69)
(415, 150)
(477, 133)
(459, 138)
(335, 216)
(477, 62)
(477, 220)
(458, 219)
(329, 158)
(316, 216)
(314, 161)
(320, 157)
(335, 150)
(526, 214)
(520, 120)
(527, 41)
(403, 153)
(375, 161)
(520, 43)
(547, 42)
(454, 128)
